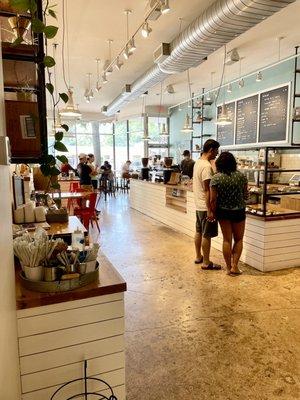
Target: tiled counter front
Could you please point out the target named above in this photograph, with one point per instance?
(268, 245)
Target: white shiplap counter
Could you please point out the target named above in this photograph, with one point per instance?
(269, 245)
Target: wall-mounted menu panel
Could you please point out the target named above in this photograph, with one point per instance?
(246, 120)
(225, 133)
(273, 115)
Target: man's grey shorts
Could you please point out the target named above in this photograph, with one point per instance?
(206, 228)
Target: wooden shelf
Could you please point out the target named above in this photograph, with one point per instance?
(177, 208)
(177, 198)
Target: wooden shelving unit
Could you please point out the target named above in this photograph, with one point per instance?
(201, 110)
(176, 199)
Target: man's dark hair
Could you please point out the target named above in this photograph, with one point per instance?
(226, 163)
(210, 144)
(186, 153)
(90, 155)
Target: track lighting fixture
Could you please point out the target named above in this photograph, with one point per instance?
(131, 46)
(146, 30)
(98, 86)
(118, 64)
(104, 78)
(165, 8)
(241, 83)
(259, 77)
(126, 53)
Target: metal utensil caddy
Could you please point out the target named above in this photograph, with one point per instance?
(86, 394)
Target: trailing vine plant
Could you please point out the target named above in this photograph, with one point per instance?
(38, 26)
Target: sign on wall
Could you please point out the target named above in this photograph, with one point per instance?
(225, 134)
(260, 118)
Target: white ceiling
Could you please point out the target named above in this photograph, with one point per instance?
(92, 22)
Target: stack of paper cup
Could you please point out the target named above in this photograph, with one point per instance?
(29, 213)
(19, 215)
(40, 214)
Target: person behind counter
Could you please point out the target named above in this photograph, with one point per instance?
(187, 164)
(94, 173)
(206, 225)
(84, 171)
(229, 191)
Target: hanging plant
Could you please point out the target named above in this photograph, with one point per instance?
(38, 26)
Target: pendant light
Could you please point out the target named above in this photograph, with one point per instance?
(223, 118)
(187, 126)
(104, 78)
(98, 86)
(143, 114)
(229, 88)
(210, 96)
(164, 130)
(241, 80)
(69, 110)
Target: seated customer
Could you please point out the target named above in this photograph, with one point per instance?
(126, 170)
(187, 164)
(65, 168)
(84, 172)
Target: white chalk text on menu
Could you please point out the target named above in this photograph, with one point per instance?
(273, 115)
(259, 118)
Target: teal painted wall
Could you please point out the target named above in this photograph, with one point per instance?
(274, 76)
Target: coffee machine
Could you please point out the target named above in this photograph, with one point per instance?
(145, 169)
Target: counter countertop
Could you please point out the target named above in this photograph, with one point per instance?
(161, 184)
(110, 281)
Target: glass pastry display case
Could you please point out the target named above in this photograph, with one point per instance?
(273, 175)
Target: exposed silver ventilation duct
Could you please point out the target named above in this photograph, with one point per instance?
(219, 24)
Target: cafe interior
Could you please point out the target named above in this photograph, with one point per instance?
(101, 294)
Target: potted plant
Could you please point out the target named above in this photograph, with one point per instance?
(39, 27)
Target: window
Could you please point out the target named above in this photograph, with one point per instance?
(136, 142)
(157, 145)
(121, 150)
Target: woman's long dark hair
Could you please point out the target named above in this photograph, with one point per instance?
(226, 163)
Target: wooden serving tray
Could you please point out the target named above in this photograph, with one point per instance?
(60, 286)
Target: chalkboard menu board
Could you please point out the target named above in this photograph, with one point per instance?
(273, 115)
(225, 134)
(246, 120)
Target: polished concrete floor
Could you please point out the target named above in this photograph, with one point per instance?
(200, 335)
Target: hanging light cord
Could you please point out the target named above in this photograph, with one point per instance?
(160, 101)
(63, 44)
(222, 77)
(189, 84)
(127, 25)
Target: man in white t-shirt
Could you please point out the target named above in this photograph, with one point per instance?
(206, 225)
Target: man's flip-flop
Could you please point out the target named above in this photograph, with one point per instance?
(199, 260)
(211, 266)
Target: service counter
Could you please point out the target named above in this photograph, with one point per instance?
(269, 244)
(57, 331)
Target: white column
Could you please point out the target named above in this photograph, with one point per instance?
(9, 364)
